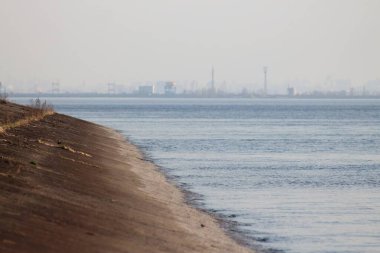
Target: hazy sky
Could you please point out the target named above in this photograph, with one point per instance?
(96, 41)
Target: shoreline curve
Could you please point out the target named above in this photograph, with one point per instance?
(69, 185)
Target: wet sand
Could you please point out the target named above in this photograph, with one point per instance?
(72, 186)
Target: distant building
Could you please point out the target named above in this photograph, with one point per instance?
(146, 90)
(341, 93)
(170, 88)
(364, 92)
(159, 88)
(352, 92)
(291, 91)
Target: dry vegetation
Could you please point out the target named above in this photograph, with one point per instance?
(37, 110)
(40, 108)
(3, 96)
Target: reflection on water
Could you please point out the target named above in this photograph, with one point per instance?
(299, 175)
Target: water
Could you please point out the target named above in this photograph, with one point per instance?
(297, 175)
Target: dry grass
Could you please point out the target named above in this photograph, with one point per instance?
(40, 108)
(38, 111)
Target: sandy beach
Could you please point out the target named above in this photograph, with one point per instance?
(72, 186)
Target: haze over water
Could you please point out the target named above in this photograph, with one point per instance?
(83, 45)
(297, 175)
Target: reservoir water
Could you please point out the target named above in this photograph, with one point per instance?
(297, 176)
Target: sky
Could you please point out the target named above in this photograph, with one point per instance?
(85, 44)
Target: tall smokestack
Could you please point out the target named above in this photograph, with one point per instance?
(212, 79)
(265, 81)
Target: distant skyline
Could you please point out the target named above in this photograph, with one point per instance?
(85, 44)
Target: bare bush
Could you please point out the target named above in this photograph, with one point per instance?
(3, 96)
(40, 108)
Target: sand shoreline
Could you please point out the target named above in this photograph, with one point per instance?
(73, 186)
(231, 228)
